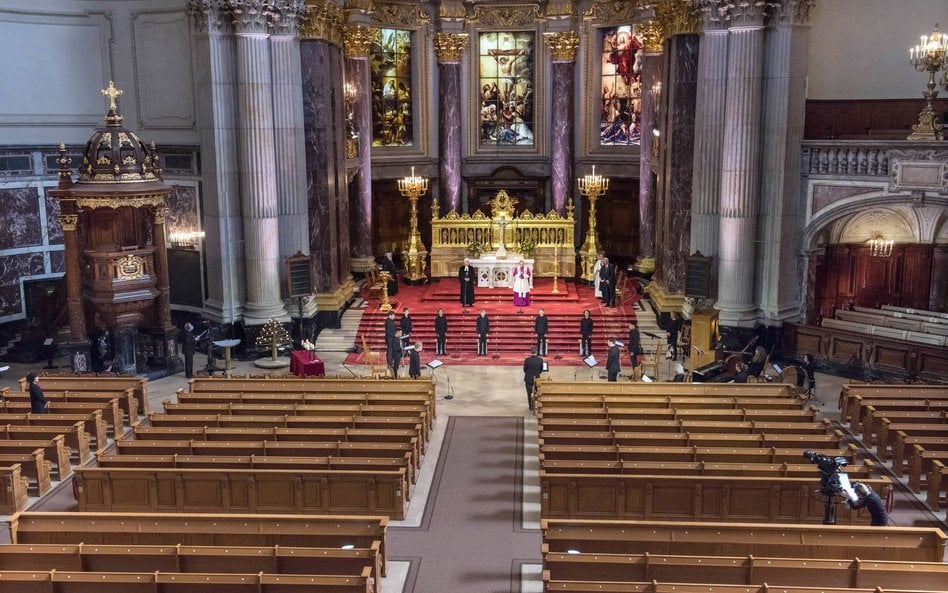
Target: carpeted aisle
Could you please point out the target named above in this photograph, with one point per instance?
(472, 522)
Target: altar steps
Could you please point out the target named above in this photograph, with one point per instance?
(448, 290)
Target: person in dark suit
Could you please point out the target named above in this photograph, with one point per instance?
(866, 497)
(585, 334)
(483, 329)
(441, 333)
(405, 324)
(634, 344)
(390, 327)
(541, 325)
(612, 360)
(810, 374)
(188, 348)
(414, 361)
(467, 276)
(532, 367)
(607, 277)
(38, 403)
(388, 265)
(674, 326)
(394, 353)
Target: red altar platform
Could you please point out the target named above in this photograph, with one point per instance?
(305, 363)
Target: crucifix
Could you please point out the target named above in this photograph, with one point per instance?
(112, 93)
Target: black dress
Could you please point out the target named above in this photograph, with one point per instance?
(414, 364)
(467, 276)
(37, 399)
(388, 265)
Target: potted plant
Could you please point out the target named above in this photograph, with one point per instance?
(475, 248)
(528, 247)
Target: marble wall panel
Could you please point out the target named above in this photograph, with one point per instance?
(54, 229)
(183, 213)
(57, 262)
(19, 210)
(12, 269)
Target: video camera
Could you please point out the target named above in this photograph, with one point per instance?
(829, 471)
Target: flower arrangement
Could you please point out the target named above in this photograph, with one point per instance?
(475, 248)
(528, 246)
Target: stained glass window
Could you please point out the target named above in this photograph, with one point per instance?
(506, 83)
(390, 64)
(621, 112)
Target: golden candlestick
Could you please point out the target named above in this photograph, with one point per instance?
(931, 56)
(591, 186)
(556, 270)
(386, 306)
(413, 187)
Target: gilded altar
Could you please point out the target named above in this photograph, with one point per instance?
(544, 238)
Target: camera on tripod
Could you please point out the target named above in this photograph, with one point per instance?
(829, 471)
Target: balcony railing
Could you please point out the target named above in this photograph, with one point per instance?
(854, 158)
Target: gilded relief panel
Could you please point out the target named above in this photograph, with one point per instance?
(507, 79)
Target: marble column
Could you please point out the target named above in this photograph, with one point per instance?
(289, 151)
(358, 40)
(163, 300)
(215, 73)
(740, 175)
(709, 127)
(679, 157)
(449, 48)
(563, 47)
(77, 316)
(785, 67)
(323, 65)
(255, 150)
(648, 154)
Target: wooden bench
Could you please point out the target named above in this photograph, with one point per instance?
(691, 498)
(74, 436)
(670, 454)
(127, 402)
(77, 383)
(307, 398)
(903, 448)
(55, 450)
(920, 465)
(666, 402)
(747, 570)
(888, 392)
(937, 484)
(241, 491)
(696, 468)
(860, 407)
(874, 418)
(110, 410)
(549, 387)
(14, 489)
(55, 581)
(906, 544)
(34, 466)
(92, 422)
(718, 415)
(887, 438)
(682, 426)
(685, 439)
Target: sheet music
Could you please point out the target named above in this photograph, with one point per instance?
(435, 364)
(847, 487)
(590, 361)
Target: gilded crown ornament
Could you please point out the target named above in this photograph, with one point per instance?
(563, 45)
(449, 47)
(676, 17)
(357, 41)
(323, 19)
(653, 42)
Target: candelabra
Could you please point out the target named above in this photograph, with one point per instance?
(413, 187)
(880, 247)
(929, 56)
(591, 186)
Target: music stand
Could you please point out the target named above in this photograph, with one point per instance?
(433, 365)
(591, 362)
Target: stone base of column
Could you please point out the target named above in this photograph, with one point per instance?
(260, 313)
(644, 265)
(331, 306)
(736, 317)
(664, 301)
(362, 265)
(219, 312)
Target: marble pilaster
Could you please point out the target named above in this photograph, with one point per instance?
(709, 127)
(785, 67)
(289, 151)
(215, 71)
(449, 47)
(651, 93)
(357, 75)
(740, 164)
(563, 47)
(679, 157)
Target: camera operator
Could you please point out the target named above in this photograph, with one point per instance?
(866, 497)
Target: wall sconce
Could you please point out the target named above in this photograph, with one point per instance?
(349, 96)
(880, 247)
(186, 239)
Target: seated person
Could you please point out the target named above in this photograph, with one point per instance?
(757, 362)
(742, 372)
(679, 373)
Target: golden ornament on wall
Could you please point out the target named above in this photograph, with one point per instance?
(130, 267)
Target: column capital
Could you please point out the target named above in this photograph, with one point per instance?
(714, 14)
(69, 221)
(322, 19)
(749, 13)
(357, 41)
(563, 45)
(792, 12)
(449, 47)
(285, 17)
(653, 42)
(209, 16)
(160, 213)
(676, 17)
(250, 16)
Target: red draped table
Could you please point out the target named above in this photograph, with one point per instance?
(304, 363)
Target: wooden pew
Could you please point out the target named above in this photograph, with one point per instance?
(686, 439)
(678, 425)
(697, 468)
(891, 391)
(343, 421)
(54, 449)
(920, 465)
(937, 484)
(874, 418)
(903, 449)
(241, 491)
(549, 387)
(13, 489)
(887, 438)
(675, 587)
(860, 407)
(667, 402)
(110, 410)
(715, 415)
(75, 383)
(907, 544)
(746, 570)
(304, 398)
(689, 454)
(74, 435)
(690, 498)
(33, 465)
(92, 422)
(128, 404)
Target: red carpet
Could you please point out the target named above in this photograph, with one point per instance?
(511, 332)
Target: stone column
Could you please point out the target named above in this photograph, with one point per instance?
(289, 152)
(255, 148)
(740, 175)
(449, 47)
(652, 49)
(563, 47)
(323, 64)
(785, 70)
(215, 72)
(163, 300)
(709, 127)
(77, 316)
(358, 40)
